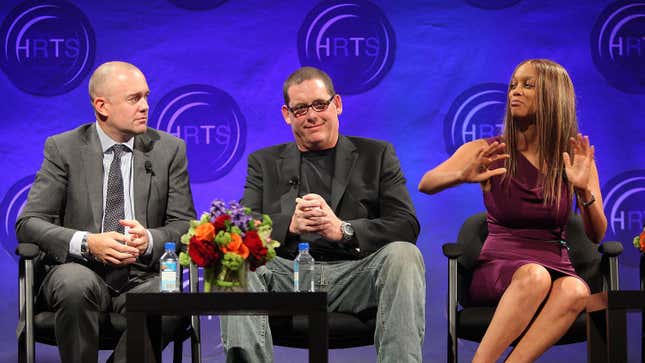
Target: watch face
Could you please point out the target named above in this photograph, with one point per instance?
(348, 229)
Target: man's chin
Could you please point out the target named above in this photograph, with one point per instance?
(140, 129)
(318, 145)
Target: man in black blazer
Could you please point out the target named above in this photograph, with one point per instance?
(347, 197)
(106, 198)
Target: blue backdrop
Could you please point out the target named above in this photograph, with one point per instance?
(424, 75)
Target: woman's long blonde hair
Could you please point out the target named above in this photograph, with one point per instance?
(555, 123)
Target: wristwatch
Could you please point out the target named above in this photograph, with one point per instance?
(347, 230)
(85, 250)
(587, 203)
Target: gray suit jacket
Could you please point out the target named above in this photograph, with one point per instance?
(67, 195)
(368, 190)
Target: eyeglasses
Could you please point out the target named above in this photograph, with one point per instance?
(317, 105)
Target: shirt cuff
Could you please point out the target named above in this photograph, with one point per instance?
(75, 243)
(150, 244)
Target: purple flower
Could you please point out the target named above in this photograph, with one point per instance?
(235, 210)
(239, 217)
(218, 207)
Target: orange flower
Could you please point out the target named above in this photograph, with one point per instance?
(205, 232)
(236, 246)
(642, 240)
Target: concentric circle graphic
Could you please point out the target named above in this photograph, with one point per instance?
(623, 200)
(476, 113)
(10, 208)
(352, 41)
(48, 47)
(618, 45)
(210, 122)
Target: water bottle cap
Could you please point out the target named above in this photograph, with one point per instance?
(303, 246)
(169, 246)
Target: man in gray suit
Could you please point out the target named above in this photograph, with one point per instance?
(106, 198)
(347, 197)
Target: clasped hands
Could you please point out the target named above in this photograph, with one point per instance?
(118, 249)
(313, 215)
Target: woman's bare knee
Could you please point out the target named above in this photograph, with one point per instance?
(532, 278)
(572, 292)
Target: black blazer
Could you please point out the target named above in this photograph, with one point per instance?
(368, 190)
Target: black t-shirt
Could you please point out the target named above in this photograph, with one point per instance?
(316, 173)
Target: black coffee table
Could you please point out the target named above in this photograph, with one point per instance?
(144, 311)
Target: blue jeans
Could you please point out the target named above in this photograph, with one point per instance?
(392, 278)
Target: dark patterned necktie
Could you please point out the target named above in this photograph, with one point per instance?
(115, 277)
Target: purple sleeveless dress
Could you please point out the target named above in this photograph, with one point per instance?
(521, 230)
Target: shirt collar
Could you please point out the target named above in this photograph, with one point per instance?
(107, 142)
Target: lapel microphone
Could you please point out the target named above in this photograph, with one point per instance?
(294, 181)
(148, 166)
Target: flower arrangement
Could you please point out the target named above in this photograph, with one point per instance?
(226, 242)
(639, 241)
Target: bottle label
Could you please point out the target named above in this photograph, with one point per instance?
(296, 281)
(169, 276)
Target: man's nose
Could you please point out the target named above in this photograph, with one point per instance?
(311, 117)
(144, 105)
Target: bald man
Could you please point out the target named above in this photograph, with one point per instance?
(106, 198)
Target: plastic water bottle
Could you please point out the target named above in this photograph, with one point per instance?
(169, 269)
(303, 270)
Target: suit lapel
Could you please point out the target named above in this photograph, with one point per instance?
(142, 178)
(92, 159)
(288, 169)
(346, 157)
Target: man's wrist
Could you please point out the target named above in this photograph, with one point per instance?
(85, 247)
(346, 230)
(150, 246)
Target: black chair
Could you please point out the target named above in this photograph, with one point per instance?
(39, 326)
(597, 265)
(345, 330)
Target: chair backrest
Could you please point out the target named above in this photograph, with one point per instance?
(584, 255)
(471, 237)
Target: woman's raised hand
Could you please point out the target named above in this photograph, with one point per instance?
(578, 170)
(477, 170)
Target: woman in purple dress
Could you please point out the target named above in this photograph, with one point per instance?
(529, 176)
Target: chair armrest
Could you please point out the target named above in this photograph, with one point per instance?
(610, 252)
(611, 249)
(452, 250)
(27, 251)
(25, 328)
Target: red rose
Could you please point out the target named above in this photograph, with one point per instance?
(257, 251)
(220, 222)
(203, 253)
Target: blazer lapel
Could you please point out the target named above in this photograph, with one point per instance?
(289, 171)
(92, 159)
(142, 177)
(346, 156)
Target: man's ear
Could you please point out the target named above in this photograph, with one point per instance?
(285, 114)
(101, 107)
(339, 104)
